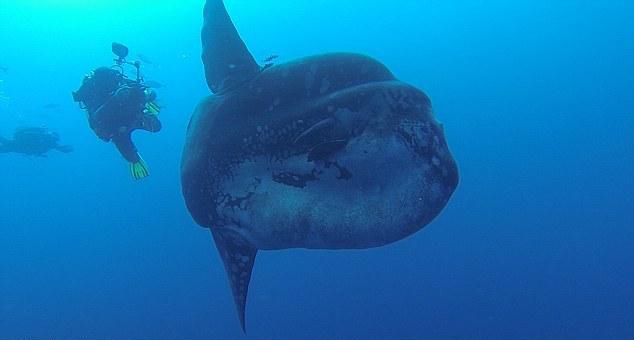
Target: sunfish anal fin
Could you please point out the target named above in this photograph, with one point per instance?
(238, 256)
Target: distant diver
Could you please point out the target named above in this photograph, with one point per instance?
(117, 106)
(33, 141)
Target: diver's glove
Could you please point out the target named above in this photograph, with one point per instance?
(139, 169)
(152, 108)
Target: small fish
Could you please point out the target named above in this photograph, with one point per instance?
(153, 84)
(145, 59)
(270, 58)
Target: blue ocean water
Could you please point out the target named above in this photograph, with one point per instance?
(537, 100)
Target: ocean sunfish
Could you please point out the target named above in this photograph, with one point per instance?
(325, 152)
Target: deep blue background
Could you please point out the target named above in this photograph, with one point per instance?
(537, 98)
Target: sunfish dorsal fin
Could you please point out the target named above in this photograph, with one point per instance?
(238, 256)
(227, 60)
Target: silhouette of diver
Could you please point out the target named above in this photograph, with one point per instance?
(33, 141)
(117, 106)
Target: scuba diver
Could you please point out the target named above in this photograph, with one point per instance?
(117, 105)
(33, 141)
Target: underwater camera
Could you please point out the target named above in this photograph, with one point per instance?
(122, 51)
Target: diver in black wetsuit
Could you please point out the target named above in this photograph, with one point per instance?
(33, 141)
(116, 106)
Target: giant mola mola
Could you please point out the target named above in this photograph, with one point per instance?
(325, 152)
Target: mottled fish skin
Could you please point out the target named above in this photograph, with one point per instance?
(246, 169)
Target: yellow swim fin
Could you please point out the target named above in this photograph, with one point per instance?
(139, 170)
(152, 108)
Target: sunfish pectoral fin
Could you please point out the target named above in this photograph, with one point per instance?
(238, 256)
(227, 60)
(316, 128)
(323, 151)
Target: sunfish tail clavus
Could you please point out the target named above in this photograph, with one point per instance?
(325, 152)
